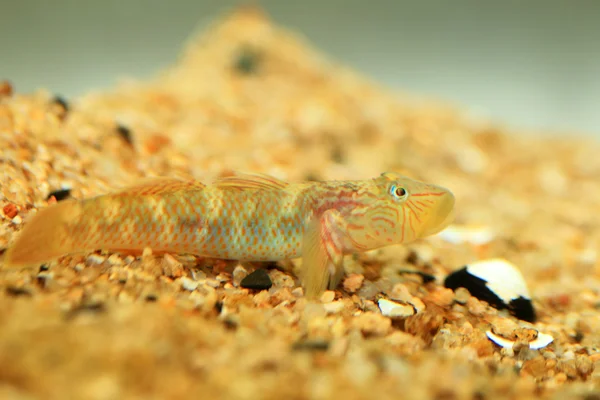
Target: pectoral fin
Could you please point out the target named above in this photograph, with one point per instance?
(322, 254)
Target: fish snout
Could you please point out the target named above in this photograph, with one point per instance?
(441, 213)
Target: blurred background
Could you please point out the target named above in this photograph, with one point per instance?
(531, 65)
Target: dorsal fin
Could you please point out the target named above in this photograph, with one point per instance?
(160, 185)
(250, 181)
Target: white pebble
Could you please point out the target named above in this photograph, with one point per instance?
(502, 277)
(96, 259)
(333, 307)
(476, 235)
(79, 267)
(327, 296)
(114, 259)
(188, 284)
(392, 309)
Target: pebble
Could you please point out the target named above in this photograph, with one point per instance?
(353, 282)
(95, 259)
(114, 259)
(212, 283)
(239, 273)
(257, 280)
(476, 235)
(171, 261)
(462, 295)
(59, 195)
(188, 284)
(372, 324)
(79, 267)
(334, 307)
(395, 310)
(328, 296)
(10, 210)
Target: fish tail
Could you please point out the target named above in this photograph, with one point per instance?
(44, 237)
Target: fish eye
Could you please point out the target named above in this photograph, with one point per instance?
(398, 192)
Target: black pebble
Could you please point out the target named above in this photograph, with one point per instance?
(17, 291)
(311, 345)
(151, 298)
(94, 308)
(125, 133)
(60, 194)
(44, 267)
(61, 102)
(337, 154)
(247, 61)
(520, 307)
(257, 280)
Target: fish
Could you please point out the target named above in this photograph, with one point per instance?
(248, 217)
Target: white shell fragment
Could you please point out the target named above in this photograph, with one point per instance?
(477, 235)
(540, 342)
(498, 282)
(499, 340)
(395, 310)
(502, 277)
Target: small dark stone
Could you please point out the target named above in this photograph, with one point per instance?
(412, 257)
(257, 280)
(427, 278)
(17, 291)
(337, 154)
(125, 133)
(6, 89)
(230, 324)
(60, 194)
(61, 102)
(219, 306)
(44, 267)
(41, 279)
(313, 177)
(578, 337)
(478, 396)
(151, 298)
(311, 345)
(94, 308)
(247, 61)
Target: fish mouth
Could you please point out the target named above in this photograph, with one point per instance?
(442, 214)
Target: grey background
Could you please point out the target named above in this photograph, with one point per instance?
(529, 64)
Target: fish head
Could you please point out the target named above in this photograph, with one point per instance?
(401, 210)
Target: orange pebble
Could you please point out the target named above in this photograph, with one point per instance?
(10, 210)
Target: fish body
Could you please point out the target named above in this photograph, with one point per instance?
(244, 217)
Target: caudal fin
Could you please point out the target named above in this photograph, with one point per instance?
(44, 237)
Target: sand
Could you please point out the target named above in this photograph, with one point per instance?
(249, 95)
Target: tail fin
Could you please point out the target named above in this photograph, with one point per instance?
(44, 237)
